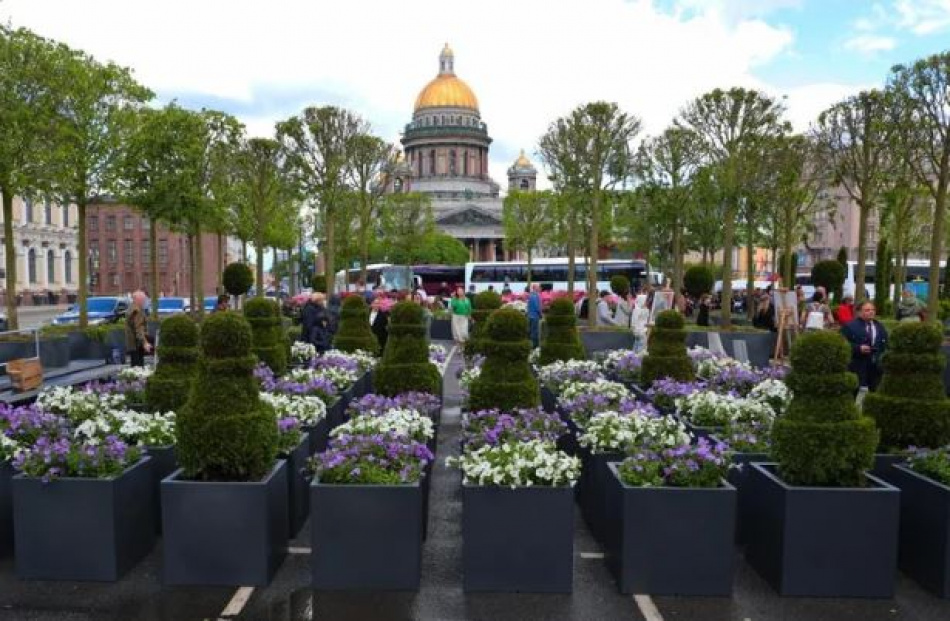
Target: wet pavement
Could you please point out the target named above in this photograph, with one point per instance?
(140, 596)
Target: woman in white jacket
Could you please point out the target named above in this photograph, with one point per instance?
(639, 319)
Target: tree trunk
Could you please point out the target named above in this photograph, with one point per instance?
(728, 235)
(198, 290)
(936, 240)
(83, 289)
(153, 260)
(328, 254)
(882, 275)
(290, 270)
(859, 277)
(571, 251)
(364, 253)
(221, 251)
(677, 255)
(259, 256)
(9, 252)
(592, 255)
(899, 278)
(528, 286)
(750, 269)
(243, 251)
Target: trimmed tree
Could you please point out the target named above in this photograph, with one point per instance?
(167, 389)
(698, 280)
(225, 432)
(911, 406)
(506, 381)
(620, 285)
(483, 306)
(405, 366)
(666, 350)
(562, 342)
(354, 331)
(822, 440)
(268, 336)
(237, 279)
(830, 275)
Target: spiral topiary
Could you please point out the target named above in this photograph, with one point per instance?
(561, 341)
(822, 440)
(484, 304)
(237, 278)
(405, 366)
(354, 331)
(167, 389)
(269, 340)
(225, 432)
(911, 406)
(666, 350)
(506, 381)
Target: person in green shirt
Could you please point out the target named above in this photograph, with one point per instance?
(461, 309)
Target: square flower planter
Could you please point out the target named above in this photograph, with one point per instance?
(83, 529)
(823, 541)
(518, 539)
(319, 435)
(548, 399)
(298, 484)
(164, 462)
(738, 477)
(924, 552)
(336, 413)
(6, 508)
(224, 533)
(592, 489)
(366, 537)
(672, 540)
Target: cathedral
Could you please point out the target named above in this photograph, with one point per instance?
(445, 155)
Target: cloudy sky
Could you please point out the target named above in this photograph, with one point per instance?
(529, 61)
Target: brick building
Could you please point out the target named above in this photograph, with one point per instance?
(119, 253)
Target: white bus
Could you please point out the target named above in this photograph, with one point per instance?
(915, 270)
(551, 274)
(398, 277)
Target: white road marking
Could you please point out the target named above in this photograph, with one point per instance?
(592, 555)
(293, 550)
(647, 608)
(238, 601)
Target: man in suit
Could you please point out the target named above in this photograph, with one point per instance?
(868, 340)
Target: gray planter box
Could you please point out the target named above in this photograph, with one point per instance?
(81, 347)
(224, 533)
(823, 541)
(592, 489)
(6, 508)
(298, 484)
(83, 529)
(14, 350)
(54, 352)
(739, 477)
(366, 537)
(318, 435)
(595, 341)
(518, 539)
(164, 462)
(440, 330)
(672, 541)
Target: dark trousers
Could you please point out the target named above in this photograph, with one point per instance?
(534, 325)
(137, 357)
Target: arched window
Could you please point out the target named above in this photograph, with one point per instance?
(524, 184)
(48, 213)
(464, 163)
(68, 266)
(31, 264)
(65, 216)
(50, 269)
(452, 162)
(432, 162)
(28, 208)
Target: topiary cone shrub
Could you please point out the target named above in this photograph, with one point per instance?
(620, 285)
(822, 440)
(561, 341)
(167, 389)
(405, 366)
(698, 280)
(268, 338)
(910, 406)
(484, 304)
(237, 278)
(225, 432)
(506, 381)
(354, 331)
(666, 350)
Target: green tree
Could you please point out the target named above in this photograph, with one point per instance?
(704, 219)
(406, 221)
(442, 249)
(526, 217)
(731, 126)
(370, 158)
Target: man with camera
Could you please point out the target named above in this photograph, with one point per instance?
(868, 340)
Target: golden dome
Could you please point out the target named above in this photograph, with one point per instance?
(522, 161)
(446, 90)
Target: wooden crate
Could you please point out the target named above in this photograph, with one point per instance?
(25, 374)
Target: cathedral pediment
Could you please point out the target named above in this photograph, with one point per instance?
(469, 215)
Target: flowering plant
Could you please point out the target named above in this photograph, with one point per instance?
(557, 374)
(697, 354)
(468, 377)
(774, 393)
(701, 465)
(340, 377)
(135, 374)
(377, 459)
(518, 305)
(664, 392)
(933, 463)
(517, 464)
(710, 409)
(609, 432)
(51, 457)
(492, 427)
(305, 409)
(313, 385)
(378, 405)
(438, 356)
(136, 428)
(77, 405)
(20, 427)
(581, 400)
(747, 438)
(534, 356)
(289, 434)
(302, 352)
(623, 364)
(408, 424)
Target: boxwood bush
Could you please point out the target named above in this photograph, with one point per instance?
(483, 306)
(698, 280)
(666, 350)
(561, 340)
(225, 432)
(506, 381)
(269, 339)
(167, 389)
(910, 406)
(405, 366)
(237, 278)
(354, 331)
(822, 439)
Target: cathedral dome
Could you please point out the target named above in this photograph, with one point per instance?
(446, 90)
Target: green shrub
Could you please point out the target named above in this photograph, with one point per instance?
(561, 339)
(666, 350)
(354, 331)
(822, 439)
(829, 274)
(620, 285)
(319, 283)
(237, 278)
(506, 381)
(484, 304)
(698, 280)
(405, 365)
(225, 432)
(911, 406)
(267, 333)
(167, 389)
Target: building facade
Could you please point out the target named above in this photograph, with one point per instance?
(446, 151)
(45, 243)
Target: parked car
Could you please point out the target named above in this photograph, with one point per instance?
(210, 302)
(104, 309)
(4, 326)
(173, 306)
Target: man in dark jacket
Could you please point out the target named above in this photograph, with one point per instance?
(136, 331)
(868, 340)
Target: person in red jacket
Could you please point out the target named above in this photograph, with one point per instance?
(845, 311)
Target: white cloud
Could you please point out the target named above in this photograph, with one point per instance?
(870, 43)
(923, 17)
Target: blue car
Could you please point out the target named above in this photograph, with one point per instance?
(100, 310)
(210, 302)
(172, 306)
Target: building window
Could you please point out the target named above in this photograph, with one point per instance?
(163, 252)
(68, 266)
(452, 162)
(128, 223)
(432, 162)
(114, 279)
(129, 253)
(145, 223)
(524, 184)
(50, 269)
(48, 213)
(28, 207)
(65, 216)
(112, 250)
(93, 223)
(146, 252)
(110, 223)
(31, 264)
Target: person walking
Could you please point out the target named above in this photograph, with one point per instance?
(604, 316)
(223, 304)
(702, 316)
(639, 319)
(379, 318)
(845, 311)
(910, 308)
(461, 309)
(534, 314)
(136, 331)
(868, 340)
(817, 315)
(320, 334)
(624, 310)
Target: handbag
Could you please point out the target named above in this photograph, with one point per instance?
(815, 320)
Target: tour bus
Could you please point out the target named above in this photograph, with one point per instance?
(432, 277)
(398, 277)
(915, 270)
(551, 274)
